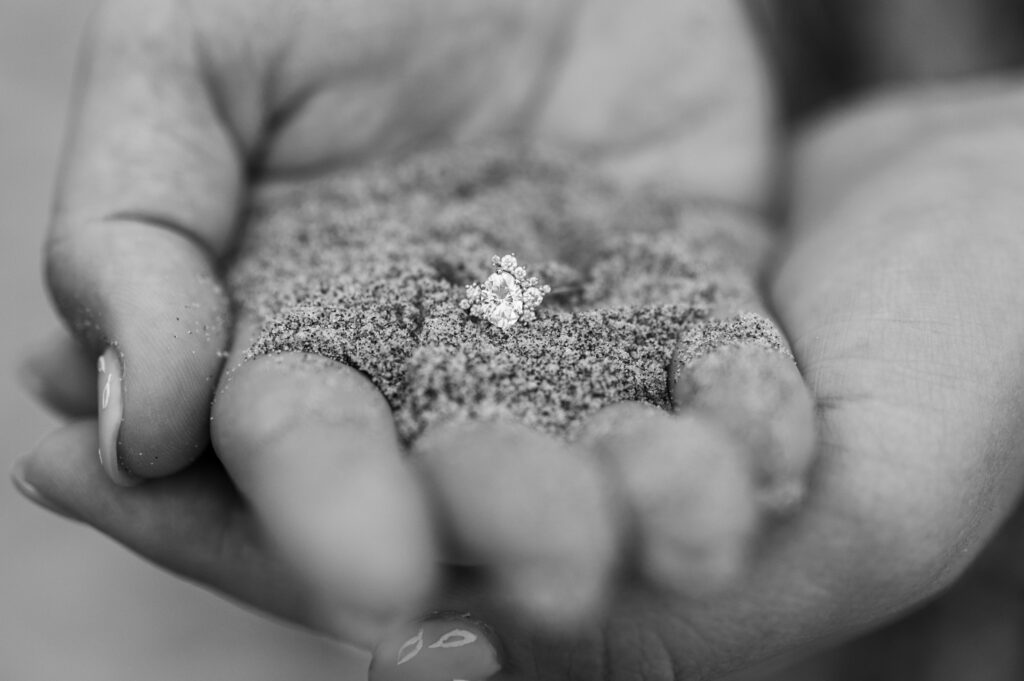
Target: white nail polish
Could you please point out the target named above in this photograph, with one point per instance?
(111, 413)
(443, 646)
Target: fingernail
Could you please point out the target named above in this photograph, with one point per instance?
(444, 646)
(111, 414)
(32, 492)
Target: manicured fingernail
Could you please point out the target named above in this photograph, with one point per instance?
(444, 646)
(32, 492)
(111, 414)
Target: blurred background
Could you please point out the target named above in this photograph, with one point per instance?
(72, 603)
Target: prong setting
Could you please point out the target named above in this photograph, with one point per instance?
(507, 297)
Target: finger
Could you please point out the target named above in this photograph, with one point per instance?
(146, 203)
(192, 524)
(534, 512)
(312, 446)
(62, 375)
(689, 490)
(739, 373)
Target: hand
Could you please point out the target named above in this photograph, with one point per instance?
(182, 102)
(146, 160)
(899, 291)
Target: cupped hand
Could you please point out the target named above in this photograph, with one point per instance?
(310, 510)
(899, 291)
(180, 106)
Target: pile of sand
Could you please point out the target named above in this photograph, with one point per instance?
(368, 268)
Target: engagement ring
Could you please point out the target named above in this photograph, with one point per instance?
(507, 297)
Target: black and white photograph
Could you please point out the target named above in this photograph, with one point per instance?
(512, 340)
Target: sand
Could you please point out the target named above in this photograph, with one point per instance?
(368, 268)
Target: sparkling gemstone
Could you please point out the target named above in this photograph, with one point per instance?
(505, 296)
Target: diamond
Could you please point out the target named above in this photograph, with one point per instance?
(506, 299)
(507, 296)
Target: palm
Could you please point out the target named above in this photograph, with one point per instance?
(644, 100)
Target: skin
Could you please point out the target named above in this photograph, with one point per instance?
(899, 291)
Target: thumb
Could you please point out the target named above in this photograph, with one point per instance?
(145, 206)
